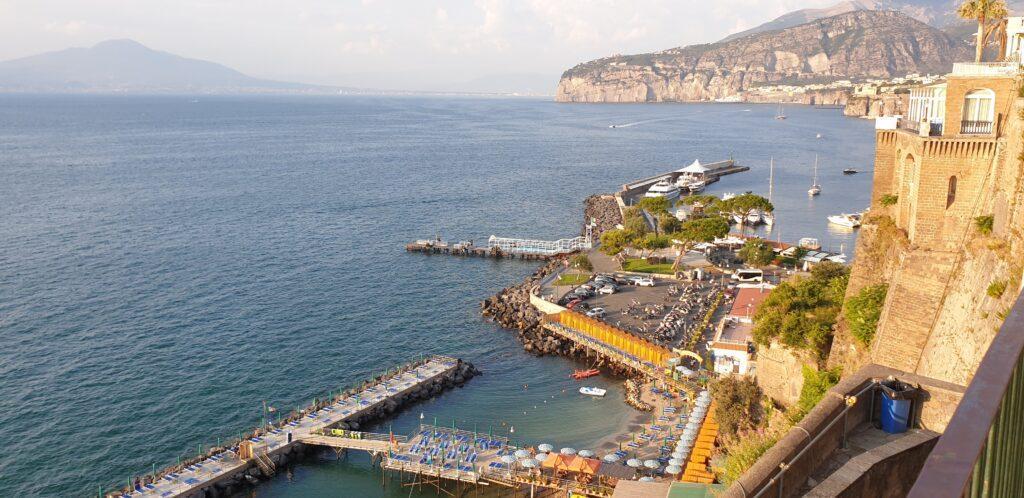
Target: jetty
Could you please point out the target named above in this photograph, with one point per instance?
(631, 192)
(506, 247)
(260, 453)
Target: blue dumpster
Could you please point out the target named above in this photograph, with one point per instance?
(896, 402)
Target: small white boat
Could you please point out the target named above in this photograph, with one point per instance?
(593, 391)
(845, 220)
(664, 188)
(815, 188)
(697, 186)
(819, 136)
(753, 218)
(768, 218)
(728, 195)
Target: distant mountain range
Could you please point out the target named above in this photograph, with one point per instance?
(937, 13)
(855, 44)
(129, 66)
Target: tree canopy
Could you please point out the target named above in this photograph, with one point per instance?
(756, 252)
(983, 11)
(701, 230)
(655, 205)
(746, 204)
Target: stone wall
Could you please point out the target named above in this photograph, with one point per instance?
(780, 373)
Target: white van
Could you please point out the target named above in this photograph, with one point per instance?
(748, 276)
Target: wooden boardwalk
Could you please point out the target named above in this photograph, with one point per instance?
(227, 464)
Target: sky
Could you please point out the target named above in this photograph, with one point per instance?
(387, 44)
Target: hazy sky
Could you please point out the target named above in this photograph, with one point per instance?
(418, 44)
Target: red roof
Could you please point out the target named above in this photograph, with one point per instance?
(747, 301)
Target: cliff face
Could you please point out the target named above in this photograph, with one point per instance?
(855, 44)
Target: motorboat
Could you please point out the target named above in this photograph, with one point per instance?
(753, 218)
(815, 188)
(593, 391)
(845, 220)
(768, 218)
(819, 136)
(850, 171)
(583, 374)
(697, 186)
(664, 188)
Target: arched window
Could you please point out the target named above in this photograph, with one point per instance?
(951, 192)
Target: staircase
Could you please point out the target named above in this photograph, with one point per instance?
(265, 464)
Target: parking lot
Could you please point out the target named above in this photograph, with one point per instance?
(668, 313)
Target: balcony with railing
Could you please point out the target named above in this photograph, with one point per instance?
(981, 452)
(915, 127)
(976, 127)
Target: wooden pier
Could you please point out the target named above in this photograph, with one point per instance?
(230, 463)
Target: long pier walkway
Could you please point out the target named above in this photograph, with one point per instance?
(229, 463)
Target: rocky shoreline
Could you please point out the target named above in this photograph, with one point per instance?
(603, 210)
(511, 309)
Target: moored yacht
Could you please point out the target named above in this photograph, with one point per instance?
(664, 188)
(815, 188)
(845, 220)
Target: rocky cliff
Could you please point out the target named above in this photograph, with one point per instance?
(880, 44)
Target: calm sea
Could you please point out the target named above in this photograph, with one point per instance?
(167, 264)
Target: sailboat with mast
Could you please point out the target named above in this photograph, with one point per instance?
(779, 114)
(766, 217)
(815, 188)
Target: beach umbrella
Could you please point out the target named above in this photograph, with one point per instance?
(633, 462)
(568, 451)
(673, 469)
(675, 462)
(586, 453)
(522, 454)
(646, 479)
(679, 455)
(529, 463)
(652, 464)
(541, 457)
(508, 458)
(611, 458)
(545, 448)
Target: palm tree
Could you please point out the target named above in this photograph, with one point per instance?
(982, 11)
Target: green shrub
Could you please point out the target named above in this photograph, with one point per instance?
(863, 311)
(816, 385)
(582, 262)
(984, 224)
(737, 404)
(741, 455)
(800, 313)
(996, 289)
(889, 200)
(614, 241)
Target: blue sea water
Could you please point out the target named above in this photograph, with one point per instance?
(167, 264)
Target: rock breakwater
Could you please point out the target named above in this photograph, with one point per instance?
(603, 210)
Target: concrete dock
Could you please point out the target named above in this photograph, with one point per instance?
(260, 451)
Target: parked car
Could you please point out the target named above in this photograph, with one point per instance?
(645, 282)
(572, 304)
(608, 289)
(596, 313)
(603, 280)
(583, 292)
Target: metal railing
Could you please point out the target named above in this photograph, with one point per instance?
(934, 129)
(981, 453)
(1007, 68)
(976, 127)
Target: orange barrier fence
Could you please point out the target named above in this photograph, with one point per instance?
(613, 337)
